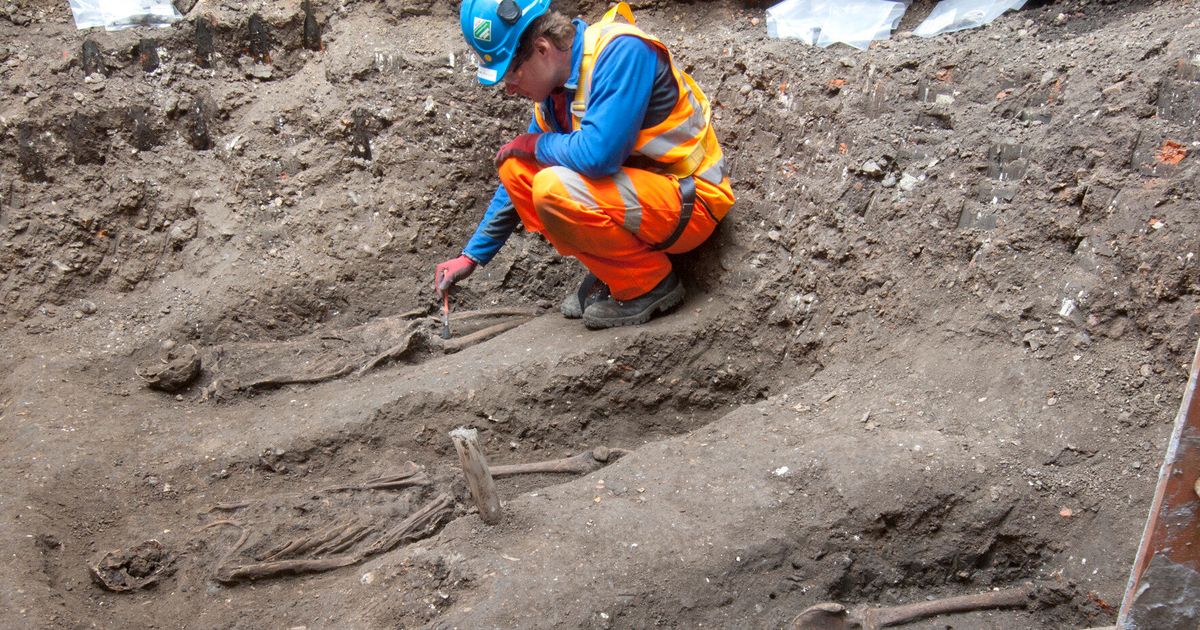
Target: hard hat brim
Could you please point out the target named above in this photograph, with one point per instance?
(492, 74)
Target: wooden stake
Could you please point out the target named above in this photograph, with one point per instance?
(479, 478)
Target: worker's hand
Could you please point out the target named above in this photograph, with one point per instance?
(524, 146)
(446, 274)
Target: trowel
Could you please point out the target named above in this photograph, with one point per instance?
(446, 314)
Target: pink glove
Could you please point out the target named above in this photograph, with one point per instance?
(524, 146)
(446, 274)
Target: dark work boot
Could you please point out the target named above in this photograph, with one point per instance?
(590, 291)
(610, 312)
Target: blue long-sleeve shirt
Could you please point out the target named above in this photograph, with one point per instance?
(632, 88)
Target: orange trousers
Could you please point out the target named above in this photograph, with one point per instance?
(611, 224)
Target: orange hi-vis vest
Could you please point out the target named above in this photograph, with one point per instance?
(684, 144)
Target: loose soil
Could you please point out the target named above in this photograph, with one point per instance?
(935, 349)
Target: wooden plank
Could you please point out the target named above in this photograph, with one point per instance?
(1164, 587)
(479, 478)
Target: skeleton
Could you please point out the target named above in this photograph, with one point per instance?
(350, 541)
(313, 359)
(330, 548)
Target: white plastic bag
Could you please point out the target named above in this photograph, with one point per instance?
(119, 14)
(956, 15)
(88, 13)
(822, 23)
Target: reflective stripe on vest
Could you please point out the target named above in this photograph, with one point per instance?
(681, 145)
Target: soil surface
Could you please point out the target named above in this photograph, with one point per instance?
(935, 349)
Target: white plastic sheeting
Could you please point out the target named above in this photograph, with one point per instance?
(118, 14)
(956, 15)
(824, 22)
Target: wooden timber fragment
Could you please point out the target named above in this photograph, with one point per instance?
(91, 59)
(204, 42)
(146, 54)
(311, 36)
(479, 479)
(258, 37)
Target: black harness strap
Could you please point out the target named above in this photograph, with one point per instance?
(687, 198)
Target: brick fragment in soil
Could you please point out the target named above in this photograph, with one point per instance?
(1157, 155)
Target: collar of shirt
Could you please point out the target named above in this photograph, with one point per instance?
(576, 55)
(558, 103)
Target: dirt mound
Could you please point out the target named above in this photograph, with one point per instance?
(934, 349)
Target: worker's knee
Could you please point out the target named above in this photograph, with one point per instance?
(511, 172)
(548, 193)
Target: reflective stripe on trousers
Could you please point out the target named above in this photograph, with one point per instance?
(611, 224)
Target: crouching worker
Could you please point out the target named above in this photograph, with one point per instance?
(620, 166)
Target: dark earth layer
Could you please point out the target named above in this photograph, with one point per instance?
(935, 349)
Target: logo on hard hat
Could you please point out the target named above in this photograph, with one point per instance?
(483, 29)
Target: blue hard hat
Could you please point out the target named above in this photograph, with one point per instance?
(493, 28)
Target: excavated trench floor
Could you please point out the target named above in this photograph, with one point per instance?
(934, 350)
